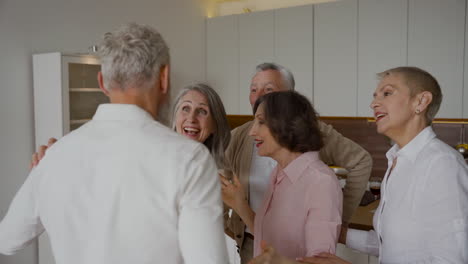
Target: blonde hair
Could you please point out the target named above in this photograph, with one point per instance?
(419, 80)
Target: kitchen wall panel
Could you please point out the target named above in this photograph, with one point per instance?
(222, 62)
(294, 45)
(335, 49)
(465, 68)
(382, 44)
(335, 58)
(436, 35)
(256, 45)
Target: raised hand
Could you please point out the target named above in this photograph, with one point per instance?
(232, 192)
(270, 256)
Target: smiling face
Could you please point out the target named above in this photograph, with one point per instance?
(394, 107)
(265, 82)
(193, 117)
(264, 140)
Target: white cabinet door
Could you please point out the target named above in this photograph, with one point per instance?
(256, 38)
(294, 45)
(223, 60)
(335, 58)
(382, 44)
(465, 82)
(436, 35)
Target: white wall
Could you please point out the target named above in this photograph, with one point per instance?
(28, 26)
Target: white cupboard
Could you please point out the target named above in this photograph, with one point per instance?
(223, 59)
(66, 95)
(256, 38)
(465, 82)
(436, 40)
(382, 44)
(335, 58)
(294, 41)
(335, 50)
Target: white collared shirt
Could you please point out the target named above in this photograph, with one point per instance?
(259, 179)
(260, 174)
(423, 212)
(121, 189)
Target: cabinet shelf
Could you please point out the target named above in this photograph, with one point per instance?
(88, 90)
(78, 121)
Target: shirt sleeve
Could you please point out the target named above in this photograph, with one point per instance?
(323, 221)
(364, 241)
(201, 235)
(22, 223)
(341, 151)
(444, 210)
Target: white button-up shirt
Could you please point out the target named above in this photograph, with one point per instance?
(121, 189)
(423, 212)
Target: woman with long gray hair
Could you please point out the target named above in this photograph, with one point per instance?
(199, 115)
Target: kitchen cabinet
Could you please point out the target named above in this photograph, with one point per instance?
(465, 82)
(66, 95)
(436, 40)
(223, 60)
(256, 35)
(335, 58)
(382, 45)
(335, 50)
(294, 45)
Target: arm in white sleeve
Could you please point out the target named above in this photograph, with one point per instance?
(22, 224)
(444, 210)
(201, 234)
(364, 241)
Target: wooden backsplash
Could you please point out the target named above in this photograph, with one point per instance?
(363, 131)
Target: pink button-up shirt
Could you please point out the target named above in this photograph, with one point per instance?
(301, 212)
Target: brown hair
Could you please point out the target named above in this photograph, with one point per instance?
(292, 121)
(419, 80)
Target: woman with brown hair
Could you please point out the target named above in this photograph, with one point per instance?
(301, 211)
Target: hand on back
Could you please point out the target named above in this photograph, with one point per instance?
(37, 156)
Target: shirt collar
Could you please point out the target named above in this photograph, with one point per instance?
(295, 169)
(121, 112)
(412, 149)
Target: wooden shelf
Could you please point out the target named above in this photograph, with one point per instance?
(78, 121)
(89, 90)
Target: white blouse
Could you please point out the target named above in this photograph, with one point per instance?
(423, 213)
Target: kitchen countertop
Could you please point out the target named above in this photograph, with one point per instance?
(362, 218)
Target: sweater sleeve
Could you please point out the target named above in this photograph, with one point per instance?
(341, 151)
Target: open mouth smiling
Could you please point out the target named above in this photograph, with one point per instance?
(191, 131)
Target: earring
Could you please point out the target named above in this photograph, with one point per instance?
(417, 111)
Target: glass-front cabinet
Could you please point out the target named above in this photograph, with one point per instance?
(66, 95)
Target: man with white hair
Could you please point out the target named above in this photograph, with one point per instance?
(254, 171)
(123, 188)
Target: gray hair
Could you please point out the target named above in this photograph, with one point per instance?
(132, 56)
(286, 75)
(219, 141)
